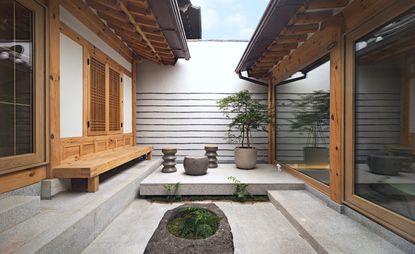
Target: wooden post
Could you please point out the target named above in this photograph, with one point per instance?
(271, 127)
(93, 184)
(54, 86)
(133, 93)
(336, 118)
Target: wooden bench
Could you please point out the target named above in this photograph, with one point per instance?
(93, 165)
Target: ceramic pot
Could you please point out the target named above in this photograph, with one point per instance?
(245, 157)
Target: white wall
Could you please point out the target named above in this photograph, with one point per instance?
(67, 18)
(176, 105)
(128, 123)
(71, 87)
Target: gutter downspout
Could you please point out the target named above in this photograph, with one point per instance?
(293, 79)
(252, 80)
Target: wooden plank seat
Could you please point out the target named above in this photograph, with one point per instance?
(93, 165)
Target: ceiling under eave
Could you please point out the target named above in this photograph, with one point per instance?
(138, 24)
(285, 26)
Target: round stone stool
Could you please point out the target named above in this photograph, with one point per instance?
(195, 166)
(211, 154)
(169, 157)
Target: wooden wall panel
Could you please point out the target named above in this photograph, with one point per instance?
(19, 179)
(75, 148)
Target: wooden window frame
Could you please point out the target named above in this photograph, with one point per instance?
(38, 157)
(87, 91)
(397, 223)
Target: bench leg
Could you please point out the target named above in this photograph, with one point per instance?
(149, 156)
(93, 184)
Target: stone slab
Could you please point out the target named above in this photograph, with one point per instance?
(327, 230)
(71, 220)
(51, 187)
(162, 241)
(265, 177)
(16, 209)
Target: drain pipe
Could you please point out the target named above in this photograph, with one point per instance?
(253, 80)
(293, 79)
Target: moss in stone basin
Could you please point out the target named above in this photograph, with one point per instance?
(194, 223)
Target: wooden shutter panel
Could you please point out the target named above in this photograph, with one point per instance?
(114, 101)
(97, 97)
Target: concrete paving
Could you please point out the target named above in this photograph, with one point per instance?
(257, 228)
(71, 221)
(327, 230)
(265, 177)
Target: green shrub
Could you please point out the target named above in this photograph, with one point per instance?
(194, 223)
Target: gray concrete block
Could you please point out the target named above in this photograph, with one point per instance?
(51, 187)
(327, 230)
(15, 209)
(30, 190)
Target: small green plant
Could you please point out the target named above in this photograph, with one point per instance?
(194, 223)
(172, 191)
(240, 193)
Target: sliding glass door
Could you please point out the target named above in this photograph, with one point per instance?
(380, 121)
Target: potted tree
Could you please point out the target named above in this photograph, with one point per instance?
(312, 116)
(247, 115)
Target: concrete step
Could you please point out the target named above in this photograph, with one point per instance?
(16, 209)
(259, 180)
(72, 220)
(325, 229)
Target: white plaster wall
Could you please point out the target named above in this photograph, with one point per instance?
(67, 18)
(211, 68)
(71, 87)
(176, 105)
(128, 124)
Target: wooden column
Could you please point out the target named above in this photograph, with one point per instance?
(271, 127)
(134, 90)
(54, 86)
(336, 118)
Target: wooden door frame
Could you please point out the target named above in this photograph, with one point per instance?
(399, 224)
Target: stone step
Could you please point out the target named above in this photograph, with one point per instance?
(325, 229)
(259, 180)
(72, 220)
(16, 209)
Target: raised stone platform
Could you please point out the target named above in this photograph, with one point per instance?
(265, 177)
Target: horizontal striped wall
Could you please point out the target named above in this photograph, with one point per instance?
(188, 121)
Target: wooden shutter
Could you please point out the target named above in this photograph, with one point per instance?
(97, 97)
(114, 101)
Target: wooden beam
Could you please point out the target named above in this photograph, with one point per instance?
(291, 38)
(138, 28)
(300, 29)
(312, 17)
(54, 86)
(82, 11)
(271, 127)
(325, 4)
(314, 48)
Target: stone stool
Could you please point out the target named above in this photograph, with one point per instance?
(169, 157)
(211, 154)
(195, 166)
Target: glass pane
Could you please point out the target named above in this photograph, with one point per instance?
(16, 82)
(385, 116)
(302, 123)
